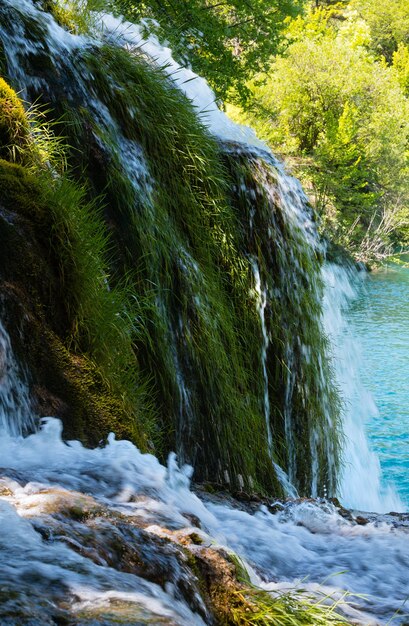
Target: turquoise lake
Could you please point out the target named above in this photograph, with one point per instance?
(379, 319)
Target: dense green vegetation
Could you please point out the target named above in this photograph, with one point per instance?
(180, 247)
(335, 104)
(253, 606)
(227, 41)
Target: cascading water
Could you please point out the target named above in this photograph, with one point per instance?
(261, 305)
(190, 304)
(297, 396)
(49, 520)
(50, 489)
(15, 407)
(360, 485)
(82, 530)
(261, 294)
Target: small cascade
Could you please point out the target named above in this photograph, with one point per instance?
(102, 524)
(261, 294)
(16, 416)
(360, 484)
(261, 306)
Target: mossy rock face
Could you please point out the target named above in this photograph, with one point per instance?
(34, 308)
(14, 127)
(26, 258)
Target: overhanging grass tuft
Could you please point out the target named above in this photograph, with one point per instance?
(182, 246)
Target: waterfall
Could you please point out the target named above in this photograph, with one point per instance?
(360, 484)
(194, 260)
(16, 416)
(223, 259)
(295, 403)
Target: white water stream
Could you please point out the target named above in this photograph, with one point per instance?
(261, 301)
(304, 545)
(360, 486)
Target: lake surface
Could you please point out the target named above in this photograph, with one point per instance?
(379, 320)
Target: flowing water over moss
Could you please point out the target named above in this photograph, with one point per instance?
(172, 223)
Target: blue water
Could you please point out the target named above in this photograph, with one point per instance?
(380, 321)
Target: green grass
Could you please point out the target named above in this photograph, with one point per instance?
(77, 16)
(26, 137)
(290, 609)
(103, 317)
(190, 213)
(254, 606)
(181, 245)
(100, 320)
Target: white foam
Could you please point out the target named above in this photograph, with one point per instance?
(304, 545)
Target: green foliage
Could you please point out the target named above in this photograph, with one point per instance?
(180, 239)
(388, 23)
(299, 101)
(98, 313)
(227, 42)
(254, 606)
(304, 406)
(295, 608)
(329, 101)
(25, 135)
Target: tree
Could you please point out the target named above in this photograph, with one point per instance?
(388, 23)
(401, 66)
(226, 41)
(343, 118)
